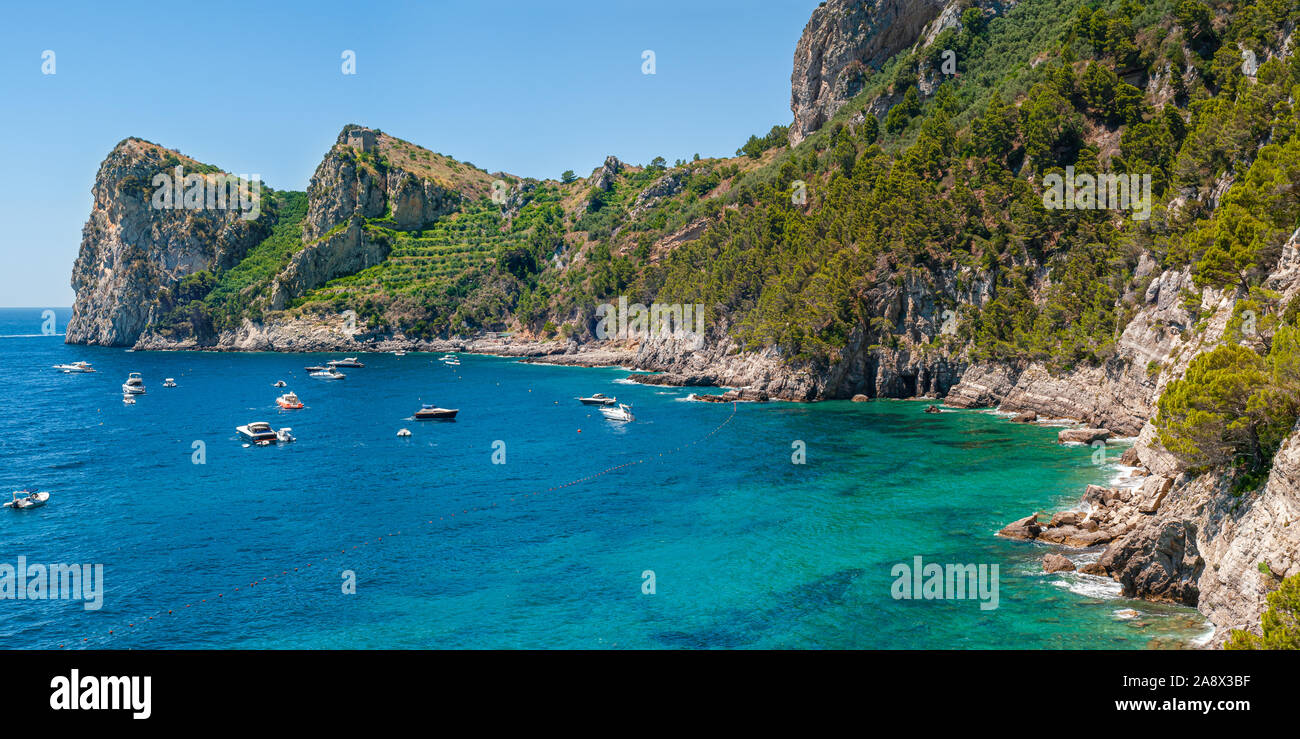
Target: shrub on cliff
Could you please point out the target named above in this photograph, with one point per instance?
(1280, 624)
(1233, 407)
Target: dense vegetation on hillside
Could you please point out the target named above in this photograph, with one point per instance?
(942, 192)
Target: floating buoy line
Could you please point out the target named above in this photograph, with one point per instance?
(225, 595)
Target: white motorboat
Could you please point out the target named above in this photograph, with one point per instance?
(169, 382)
(258, 432)
(622, 413)
(452, 362)
(134, 384)
(328, 374)
(74, 368)
(27, 499)
(598, 399)
(399, 354)
(279, 383)
(403, 432)
(285, 435)
(345, 362)
(128, 399)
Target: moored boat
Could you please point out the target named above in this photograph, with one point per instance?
(134, 384)
(289, 402)
(622, 413)
(74, 368)
(169, 382)
(598, 399)
(345, 362)
(328, 373)
(258, 432)
(433, 412)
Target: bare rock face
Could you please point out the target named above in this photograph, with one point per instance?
(355, 178)
(842, 41)
(131, 250)
(1159, 561)
(1251, 543)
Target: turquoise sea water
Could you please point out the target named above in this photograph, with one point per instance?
(748, 550)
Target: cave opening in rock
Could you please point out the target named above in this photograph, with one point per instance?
(909, 385)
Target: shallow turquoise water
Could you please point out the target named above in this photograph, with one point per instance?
(748, 550)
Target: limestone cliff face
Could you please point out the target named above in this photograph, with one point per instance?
(842, 41)
(1119, 395)
(364, 175)
(131, 250)
(903, 357)
(1174, 537)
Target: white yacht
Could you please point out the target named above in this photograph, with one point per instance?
(134, 384)
(75, 367)
(598, 399)
(622, 413)
(169, 382)
(328, 374)
(345, 362)
(258, 432)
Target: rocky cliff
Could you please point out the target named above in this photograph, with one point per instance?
(843, 41)
(130, 249)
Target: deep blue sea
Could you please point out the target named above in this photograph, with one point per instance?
(747, 549)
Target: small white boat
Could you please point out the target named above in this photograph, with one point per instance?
(598, 399)
(279, 383)
(74, 368)
(29, 499)
(169, 382)
(128, 399)
(399, 354)
(285, 435)
(403, 432)
(452, 362)
(134, 384)
(622, 413)
(345, 362)
(328, 374)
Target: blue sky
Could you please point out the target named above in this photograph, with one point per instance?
(531, 88)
